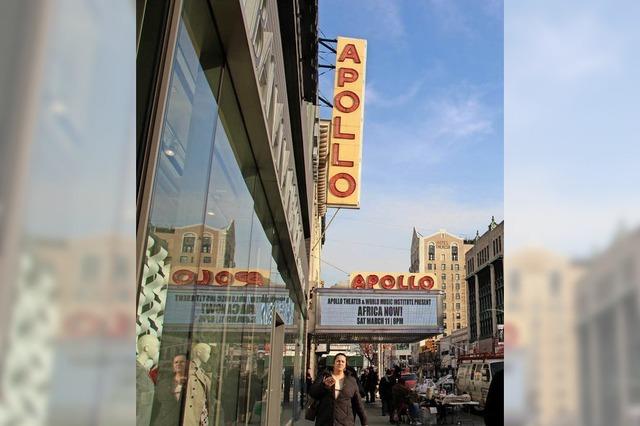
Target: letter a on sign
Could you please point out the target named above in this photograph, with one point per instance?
(345, 150)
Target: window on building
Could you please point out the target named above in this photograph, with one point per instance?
(457, 306)
(444, 286)
(458, 326)
(554, 283)
(90, 267)
(444, 315)
(444, 305)
(443, 257)
(457, 315)
(443, 267)
(184, 259)
(458, 296)
(457, 286)
(456, 266)
(429, 266)
(432, 251)
(445, 326)
(454, 253)
(205, 246)
(188, 243)
(444, 277)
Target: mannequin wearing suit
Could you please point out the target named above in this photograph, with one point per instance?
(196, 410)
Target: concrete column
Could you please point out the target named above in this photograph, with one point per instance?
(477, 285)
(494, 313)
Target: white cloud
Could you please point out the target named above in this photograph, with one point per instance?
(438, 126)
(386, 19)
(375, 98)
(450, 17)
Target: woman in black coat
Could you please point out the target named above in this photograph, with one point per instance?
(336, 390)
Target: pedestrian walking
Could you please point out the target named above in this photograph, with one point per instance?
(386, 383)
(372, 385)
(364, 378)
(336, 391)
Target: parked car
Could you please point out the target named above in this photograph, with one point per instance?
(475, 375)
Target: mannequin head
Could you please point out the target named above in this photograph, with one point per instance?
(148, 347)
(201, 353)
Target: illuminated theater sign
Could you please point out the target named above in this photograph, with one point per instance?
(367, 315)
(391, 281)
(345, 140)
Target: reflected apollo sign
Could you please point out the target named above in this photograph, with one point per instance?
(217, 307)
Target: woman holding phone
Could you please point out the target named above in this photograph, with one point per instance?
(336, 391)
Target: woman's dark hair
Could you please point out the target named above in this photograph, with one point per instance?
(341, 354)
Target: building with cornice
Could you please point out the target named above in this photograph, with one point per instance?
(443, 254)
(485, 284)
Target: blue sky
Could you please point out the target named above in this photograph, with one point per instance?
(433, 136)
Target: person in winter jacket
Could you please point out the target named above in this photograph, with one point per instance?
(372, 385)
(337, 393)
(386, 383)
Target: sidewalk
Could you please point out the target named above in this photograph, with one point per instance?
(375, 419)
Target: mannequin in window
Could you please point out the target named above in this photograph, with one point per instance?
(196, 410)
(148, 346)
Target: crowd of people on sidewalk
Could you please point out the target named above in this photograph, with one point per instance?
(340, 391)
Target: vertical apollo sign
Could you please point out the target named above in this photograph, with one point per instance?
(345, 144)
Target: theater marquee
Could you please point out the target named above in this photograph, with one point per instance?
(345, 142)
(344, 314)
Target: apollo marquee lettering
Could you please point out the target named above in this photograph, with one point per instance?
(345, 152)
(385, 281)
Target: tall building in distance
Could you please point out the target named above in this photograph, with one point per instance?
(443, 254)
(485, 283)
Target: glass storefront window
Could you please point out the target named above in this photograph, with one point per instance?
(214, 274)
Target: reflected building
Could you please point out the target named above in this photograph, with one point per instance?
(227, 211)
(198, 244)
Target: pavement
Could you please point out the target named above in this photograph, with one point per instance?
(374, 412)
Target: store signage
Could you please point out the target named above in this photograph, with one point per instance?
(222, 277)
(345, 141)
(227, 307)
(391, 281)
(376, 309)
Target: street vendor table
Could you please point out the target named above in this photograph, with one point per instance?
(443, 408)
